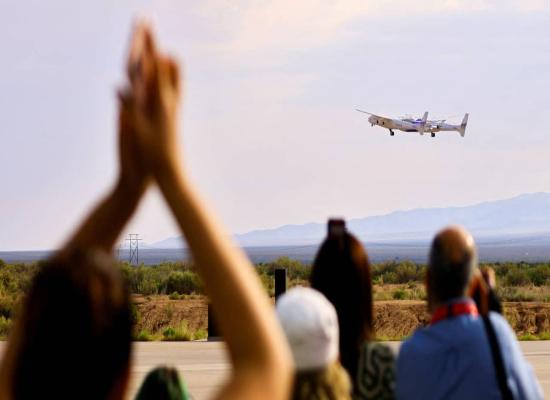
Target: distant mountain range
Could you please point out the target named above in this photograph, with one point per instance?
(526, 215)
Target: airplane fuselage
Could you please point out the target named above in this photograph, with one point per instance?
(416, 125)
(397, 124)
(442, 127)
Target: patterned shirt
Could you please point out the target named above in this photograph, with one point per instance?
(376, 372)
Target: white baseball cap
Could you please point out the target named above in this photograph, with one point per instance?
(310, 323)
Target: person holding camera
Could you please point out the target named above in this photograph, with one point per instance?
(462, 354)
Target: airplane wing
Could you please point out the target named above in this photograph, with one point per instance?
(381, 119)
(366, 112)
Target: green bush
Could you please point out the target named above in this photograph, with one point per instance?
(519, 274)
(528, 337)
(175, 296)
(294, 268)
(399, 294)
(516, 277)
(200, 334)
(169, 333)
(180, 333)
(398, 272)
(136, 315)
(144, 336)
(539, 275)
(408, 272)
(5, 325)
(8, 305)
(183, 282)
(268, 282)
(510, 293)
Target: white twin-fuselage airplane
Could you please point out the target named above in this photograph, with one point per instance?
(416, 125)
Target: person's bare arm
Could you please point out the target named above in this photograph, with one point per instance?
(257, 347)
(101, 226)
(242, 309)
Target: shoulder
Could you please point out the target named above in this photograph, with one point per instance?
(521, 377)
(500, 324)
(506, 336)
(417, 344)
(376, 371)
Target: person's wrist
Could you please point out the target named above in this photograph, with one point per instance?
(131, 188)
(165, 167)
(168, 173)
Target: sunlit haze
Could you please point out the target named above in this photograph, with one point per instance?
(271, 135)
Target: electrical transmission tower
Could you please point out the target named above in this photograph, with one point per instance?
(133, 248)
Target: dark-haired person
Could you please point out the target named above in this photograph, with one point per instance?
(342, 272)
(163, 383)
(461, 355)
(72, 337)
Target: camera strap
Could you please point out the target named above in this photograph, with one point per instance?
(497, 360)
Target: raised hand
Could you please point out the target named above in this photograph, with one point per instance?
(257, 347)
(153, 99)
(133, 175)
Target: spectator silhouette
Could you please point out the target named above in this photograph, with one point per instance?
(163, 383)
(460, 354)
(72, 338)
(257, 348)
(341, 271)
(311, 326)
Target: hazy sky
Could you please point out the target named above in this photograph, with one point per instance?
(270, 132)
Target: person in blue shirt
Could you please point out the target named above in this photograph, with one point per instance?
(452, 358)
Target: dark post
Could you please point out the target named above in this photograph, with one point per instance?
(213, 333)
(280, 282)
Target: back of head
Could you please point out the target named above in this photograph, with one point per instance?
(330, 383)
(162, 383)
(310, 324)
(341, 271)
(311, 327)
(452, 262)
(73, 337)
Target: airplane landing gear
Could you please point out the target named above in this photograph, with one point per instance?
(433, 134)
(392, 133)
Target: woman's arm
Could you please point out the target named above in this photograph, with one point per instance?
(242, 309)
(258, 350)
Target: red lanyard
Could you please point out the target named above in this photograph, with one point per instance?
(454, 310)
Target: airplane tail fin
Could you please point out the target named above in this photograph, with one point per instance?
(423, 123)
(462, 128)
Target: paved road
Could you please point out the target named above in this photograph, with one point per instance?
(204, 365)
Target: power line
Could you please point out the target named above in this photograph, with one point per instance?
(133, 248)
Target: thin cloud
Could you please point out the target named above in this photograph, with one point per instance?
(248, 26)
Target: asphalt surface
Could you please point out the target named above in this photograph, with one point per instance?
(204, 365)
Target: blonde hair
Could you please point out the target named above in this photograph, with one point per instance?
(330, 383)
